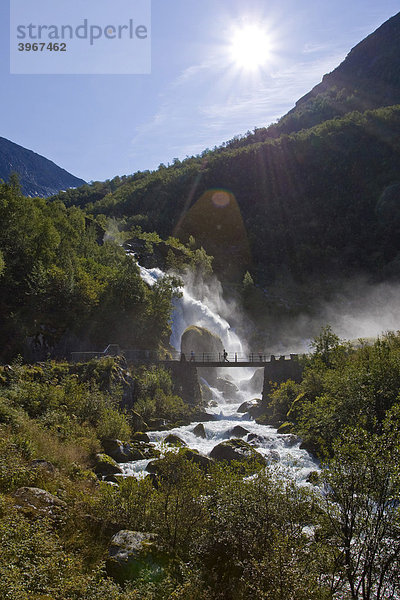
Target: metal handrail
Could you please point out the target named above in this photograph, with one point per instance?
(143, 355)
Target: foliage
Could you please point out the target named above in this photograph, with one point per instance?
(63, 279)
(34, 565)
(281, 400)
(255, 543)
(155, 398)
(227, 534)
(362, 513)
(325, 345)
(341, 385)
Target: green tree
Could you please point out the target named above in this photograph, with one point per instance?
(255, 544)
(325, 345)
(361, 511)
(248, 282)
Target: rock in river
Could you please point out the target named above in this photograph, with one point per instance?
(236, 450)
(238, 431)
(122, 451)
(174, 440)
(105, 465)
(199, 431)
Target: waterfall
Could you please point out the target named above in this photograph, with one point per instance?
(189, 310)
(281, 450)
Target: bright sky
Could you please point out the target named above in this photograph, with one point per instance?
(207, 82)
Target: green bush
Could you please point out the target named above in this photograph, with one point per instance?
(155, 398)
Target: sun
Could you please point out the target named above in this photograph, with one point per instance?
(251, 47)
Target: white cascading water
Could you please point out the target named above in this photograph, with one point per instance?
(281, 450)
(189, 310)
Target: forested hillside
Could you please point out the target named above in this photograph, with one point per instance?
(324, 200)
(317, 193)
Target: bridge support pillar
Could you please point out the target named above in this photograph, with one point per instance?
(280, 370)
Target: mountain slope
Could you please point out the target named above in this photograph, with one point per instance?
(321, 201)
(368, 78)
(38, 176)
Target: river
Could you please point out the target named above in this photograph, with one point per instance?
(281, 450)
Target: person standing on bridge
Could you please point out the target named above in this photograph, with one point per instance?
(192, 356)
(225, 356)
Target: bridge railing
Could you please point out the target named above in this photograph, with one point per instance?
(143, 356)
(230, 357)
(136, 355)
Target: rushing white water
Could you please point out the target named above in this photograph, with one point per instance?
(189, 310)
(279, 449)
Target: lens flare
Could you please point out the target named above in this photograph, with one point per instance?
(220, 198)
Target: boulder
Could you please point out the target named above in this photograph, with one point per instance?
(238, 450)
(285, 427)
(199, 431)
(158, 424)
(257, 410)
(122, 451)
(134, 554)
(290, 440)
(229, 389)
(206, 393)
(38, 502)
(201, 341)
(202, 461)
(149, 451)
(105, 465)
(238, 431)
(139, 436)
(255, 439)
(310, 446)
(247, 405)
(265, 419)
(273, 456)
(204, 417)
(112, 478)
(174, 440)
(154, 467)
(132, 452)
